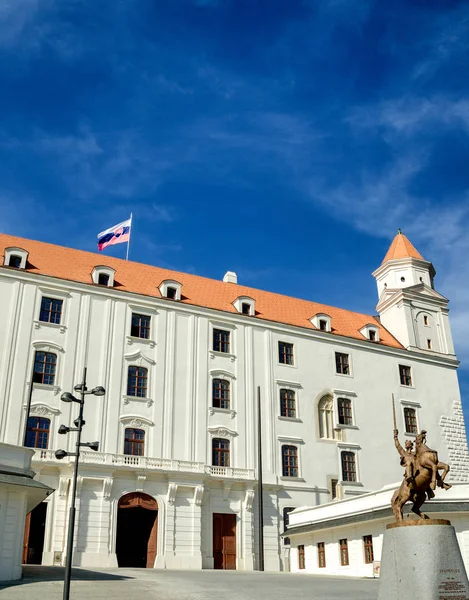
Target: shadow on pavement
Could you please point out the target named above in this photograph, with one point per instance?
(33, 574)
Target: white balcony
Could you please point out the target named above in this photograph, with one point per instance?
(142, 462)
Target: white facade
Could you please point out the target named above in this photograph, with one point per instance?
(19, 494)
(357, 518)
(179, 420)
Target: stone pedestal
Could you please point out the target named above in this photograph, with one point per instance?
(422, 560)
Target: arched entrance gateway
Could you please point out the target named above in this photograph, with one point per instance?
(137, 522)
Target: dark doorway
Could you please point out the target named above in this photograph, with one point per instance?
(224, 541)
(137, 522)
(34, 532)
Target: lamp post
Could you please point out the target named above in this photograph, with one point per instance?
(63, 429)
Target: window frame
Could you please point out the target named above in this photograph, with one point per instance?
(285, 354)
(301, 557)
(15, 251)
(345, 414)
(285, 409)
(222, 343)
(134, 442)
(137, 387)
(367, 549)
(140, 327)
(219, 454)
(43, 374)
(405, 411)
(348, 453)
(38, 431)
(326, 419)
(403, 377)
(286, 466)
(338, 363)
(222, 381)
(285, 512)
(50, 310)
(343, 553)
(99, 270)
(321, 549)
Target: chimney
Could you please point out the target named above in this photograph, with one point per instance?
(230, 277)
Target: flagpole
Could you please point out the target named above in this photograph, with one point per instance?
(128, 243)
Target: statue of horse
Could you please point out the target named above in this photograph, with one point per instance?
(428, 459)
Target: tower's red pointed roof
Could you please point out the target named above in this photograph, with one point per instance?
(401, 248)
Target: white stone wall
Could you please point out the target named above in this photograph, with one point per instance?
(180, 422)
(454, 432)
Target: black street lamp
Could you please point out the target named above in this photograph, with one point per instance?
(63, 429)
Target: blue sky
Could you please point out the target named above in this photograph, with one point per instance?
(286, 141)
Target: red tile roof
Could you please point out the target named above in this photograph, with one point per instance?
(401, 248)
(77, 265)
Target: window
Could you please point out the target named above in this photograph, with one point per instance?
(429, 344)
(140, 326)
(405, 375)
(410, 420)
(326, 430)
(289, 461)
(343, 552)
(44, 367)
(134, 442)
(171, 293)
(334, 483)
(137, 382)
(37, 435)
(349, 471)
(425, 320)
(368, 548)
(345, 411)
(286, 520)
(301, 557)
(372, 335)
(220, 452)
(103, 279)
(246, 308)
(321, 555)
(323, 324)
(220, 393)
(221, 340)
(342, 363)
(285, 353)
(287, 403)
(15, 261)
(51, 310)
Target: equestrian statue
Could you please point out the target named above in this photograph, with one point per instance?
(421, 474)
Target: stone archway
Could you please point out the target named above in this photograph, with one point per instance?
(137, 524)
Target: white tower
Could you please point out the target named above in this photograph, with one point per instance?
(409, 307)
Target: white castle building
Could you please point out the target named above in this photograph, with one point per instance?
(174, 483)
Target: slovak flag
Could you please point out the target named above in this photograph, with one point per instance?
(114, 235)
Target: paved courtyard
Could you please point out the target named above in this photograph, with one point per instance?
(40, 583)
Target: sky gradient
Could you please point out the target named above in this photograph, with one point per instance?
(286, 141)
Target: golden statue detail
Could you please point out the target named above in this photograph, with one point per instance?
(421, 474)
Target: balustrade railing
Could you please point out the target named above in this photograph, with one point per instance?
(146, 462)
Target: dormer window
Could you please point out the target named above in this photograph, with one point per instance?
(170, 289)
(245, 305)
(103, 275)
(16, 258)
(322, 322)
(370, 332)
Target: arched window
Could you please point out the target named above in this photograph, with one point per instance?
(289, 461)
(137, 382)
(325, 410)
(287, 403)
(15, 261)
(38, 433)
(134, 442)
(221, 393)
(349, 468)
(44, 367)
(220, 452)
(410, 419)
(345, 411)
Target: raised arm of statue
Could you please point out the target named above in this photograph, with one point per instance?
(400, 449)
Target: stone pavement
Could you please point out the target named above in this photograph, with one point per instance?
(46, 583)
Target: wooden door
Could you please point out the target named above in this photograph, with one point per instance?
(224, 541)
(151, 548)
(27, 525)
